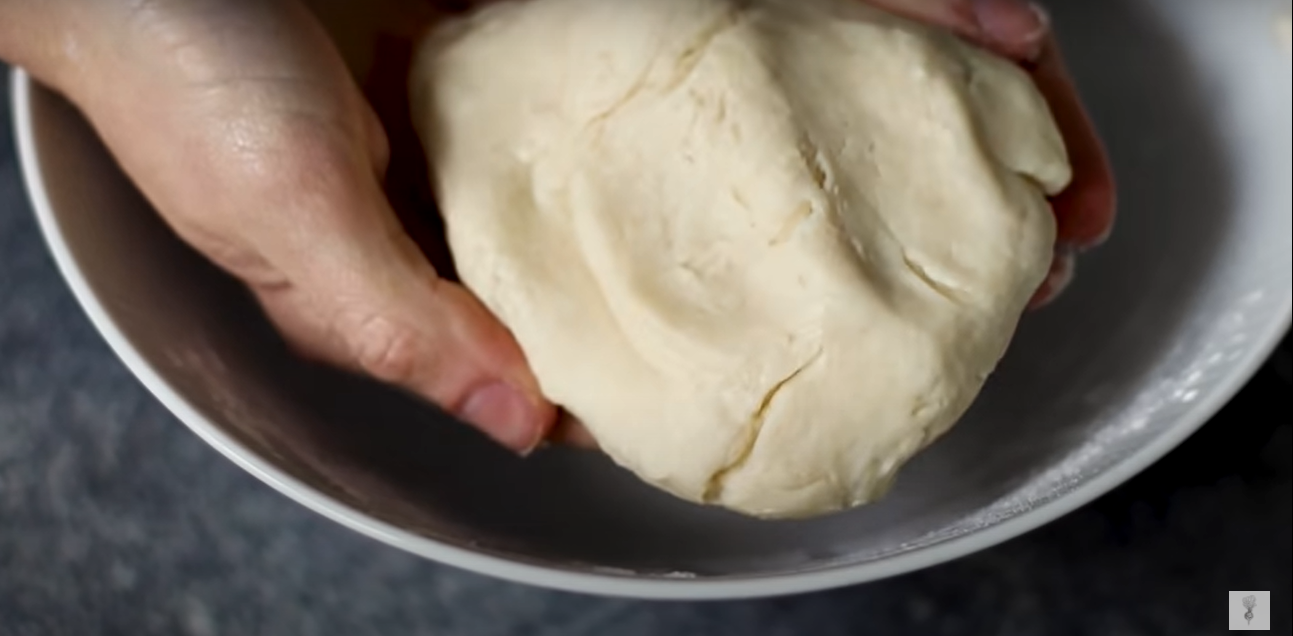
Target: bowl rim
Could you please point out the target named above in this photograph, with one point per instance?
(613, 584)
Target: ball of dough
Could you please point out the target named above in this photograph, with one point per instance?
(766, 250)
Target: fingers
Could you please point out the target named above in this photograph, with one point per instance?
(408, 189)
(1063, 267)
(356, 292)
(1012, 28)
(957, 16)
(242, 125)
(1085, 212)
(1020, 30)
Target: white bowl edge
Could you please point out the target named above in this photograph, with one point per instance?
(609, 584)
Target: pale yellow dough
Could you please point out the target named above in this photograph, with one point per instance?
(765, 250)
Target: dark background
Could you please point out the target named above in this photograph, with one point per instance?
(115, 519)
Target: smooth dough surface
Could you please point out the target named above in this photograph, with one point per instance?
(765, 250)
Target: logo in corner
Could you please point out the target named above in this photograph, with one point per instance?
(1249, 611)
(1249, 603)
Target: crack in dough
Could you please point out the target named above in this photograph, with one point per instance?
(714, 488)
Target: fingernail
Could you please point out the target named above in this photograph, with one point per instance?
(1018, 27)
(505, 414)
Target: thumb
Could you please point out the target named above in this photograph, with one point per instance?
(355, 291)
(243, 126)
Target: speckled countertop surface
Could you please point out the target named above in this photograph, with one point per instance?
(114, 519)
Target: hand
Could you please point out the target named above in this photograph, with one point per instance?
(1020, 30)
(241, 123)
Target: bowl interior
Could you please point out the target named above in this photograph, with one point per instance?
(1161, 326)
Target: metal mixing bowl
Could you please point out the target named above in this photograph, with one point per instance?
(1162, 327)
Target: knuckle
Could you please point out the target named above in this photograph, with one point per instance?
(284, 157)
(385, 349)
